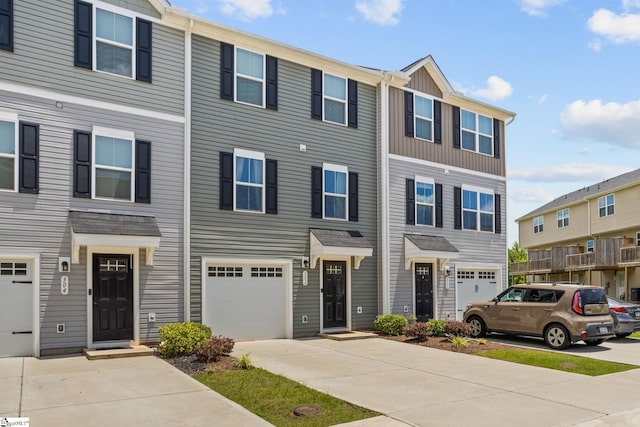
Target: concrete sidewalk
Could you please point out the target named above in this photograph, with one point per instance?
(138, 391)
(414, 385)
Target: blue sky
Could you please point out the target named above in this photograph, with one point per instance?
(569, 69)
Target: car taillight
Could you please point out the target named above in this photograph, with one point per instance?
(619, 309)
(576, 303)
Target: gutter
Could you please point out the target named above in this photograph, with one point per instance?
(186, 233)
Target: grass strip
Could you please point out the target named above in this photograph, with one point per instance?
(558, 361)
(636, 334)
(274, 397)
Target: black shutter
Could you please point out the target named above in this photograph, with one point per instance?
(83, 28)
(226, 181)
(457, 208)
(143, 172)
(316, 94)
(353, 196)
(439, 205)
(272, 83)
(456, 127)
(353, 104)
(496, 138)
(408, 114)
(6, 25)
(82, 164)
(437, 122)
(29, 149)
(271, 187)
(498, 214)
(226, 71)
(316, 192)
(143, 50)
(410, 197)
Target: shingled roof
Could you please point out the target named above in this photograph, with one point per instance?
(114, 224)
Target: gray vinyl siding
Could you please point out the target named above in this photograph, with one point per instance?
(44, 45)
(473, 246)
(38, 223)
(220, 125)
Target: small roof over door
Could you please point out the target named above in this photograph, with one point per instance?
(339, 242)
(418, 247)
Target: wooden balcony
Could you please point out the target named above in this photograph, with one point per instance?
(606, 255)
(630, 256)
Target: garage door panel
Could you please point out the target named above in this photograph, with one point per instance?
(15, 345)
(474, 286)
(16, 307)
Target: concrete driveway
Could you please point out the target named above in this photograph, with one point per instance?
(419, 386)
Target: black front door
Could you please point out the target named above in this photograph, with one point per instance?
(334, 294)
(424, 292)
(112, 297)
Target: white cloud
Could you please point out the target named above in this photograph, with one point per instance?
(630, 4)
(538, 7)
(613, 123)
(496, 90)
(569, 172)
(621, 28)
(595, 45)
(246, 10)
(539, 100)
(381, 12)
(537, 195)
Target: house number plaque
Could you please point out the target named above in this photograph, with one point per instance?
(64, 285)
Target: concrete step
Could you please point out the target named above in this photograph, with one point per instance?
(112, 353)
(348, 335)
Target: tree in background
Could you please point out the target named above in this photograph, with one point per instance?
(517, 254)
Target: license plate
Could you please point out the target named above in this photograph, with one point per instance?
(637, 314)
(603, 329)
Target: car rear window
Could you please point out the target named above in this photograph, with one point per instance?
(544, 295)
(593, 296)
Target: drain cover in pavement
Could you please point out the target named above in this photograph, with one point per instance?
(306, 410)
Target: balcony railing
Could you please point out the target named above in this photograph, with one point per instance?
(579, 261)
(630, 255)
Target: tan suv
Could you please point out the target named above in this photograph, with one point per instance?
(560, 313)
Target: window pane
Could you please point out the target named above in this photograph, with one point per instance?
(469, 141)
(7, 138)
(249, 91)
(610, 199)
(423, 129)
(424, 107)
(249, 63)
(249, 198)
(610, 210)
(113, 184)
(424, 215)
(6, 173)
(486, 202)
(486, 125)
(334, 111)
(469, 199)
(601, 202)
(335, 87)
(112, 59)
(486, 222)
(335, 182)
(468, 120)
(602, 211)
(334, 207)
(114, 27)
(249, 170)
(113, 152)
(485, 145)
(469, 220)
(424, 193)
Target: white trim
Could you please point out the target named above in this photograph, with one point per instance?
(318, 251)
(256, 155)
(87, 102)
(331, 98)
(384, 193)
(8, 117)
(446, 167)
(347, 292)
(476, 267)
(340, 169)
(150, 243)
(477, 134)
(430, 181)
(118, 134)
(186, 230)
(13, 118)
(413, 254)
(95, 39)
(287, 264)
(435, 267)
(114, 133)
(263, 81)
(431, 120)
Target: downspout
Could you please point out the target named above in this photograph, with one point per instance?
(186, 233)
(384, 192)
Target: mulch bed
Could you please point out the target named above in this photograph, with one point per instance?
(441, 343)
(192, 366)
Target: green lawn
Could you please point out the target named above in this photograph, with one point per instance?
(635, 334)
(273, 398)
(558, 361)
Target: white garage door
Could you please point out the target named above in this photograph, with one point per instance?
(473, 286)
(16, 308)
(246, 302)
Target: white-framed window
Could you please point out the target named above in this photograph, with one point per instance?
(425, 201)
(335, 191)
(423, 108)
(538, 224)
(637, 238)
(250, 77)
(113, 159)
(334, 98)
(590, 246)
(476, 132)
(563, 217)
(477, 209)
(248, 180)
(606, 205)
(114, 41)
(8, 151)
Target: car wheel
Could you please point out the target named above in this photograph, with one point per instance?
(557, 337)
(593, 343)
(622, 335)
(478, 329)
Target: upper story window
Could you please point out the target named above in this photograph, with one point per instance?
(477, 132)
(334, 99)
(335, 191)
(424, 117)
(638, 238)
(563, 217)
(113, 164)
(477, 209)
(249, 181)
(606, 205)
(538, 224)
(6, 25)
(590, 246)
(425, 201)
(249, 77)
(8, 150)
(112, 40)
(19, 153)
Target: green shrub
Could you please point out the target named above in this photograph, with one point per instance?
(482, 341)
(180, 339)
(418, 330)
(244, 362)
(214, 348)
(436, 327)
(459, 342)
(456, 328)
(390, 324)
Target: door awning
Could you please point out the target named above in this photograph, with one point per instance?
(418, 247)
(106, 229)
(339, 242)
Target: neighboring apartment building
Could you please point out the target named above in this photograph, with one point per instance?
(590, 236)
(443, 198)
(91, 174)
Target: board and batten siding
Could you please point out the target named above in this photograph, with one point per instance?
(38, 223)
(473, 246)
(221, 125)
(44, 45)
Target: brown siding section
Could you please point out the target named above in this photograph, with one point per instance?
(422, 81)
